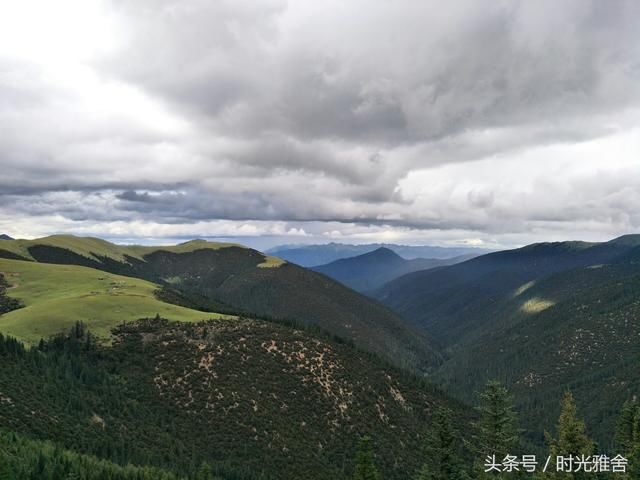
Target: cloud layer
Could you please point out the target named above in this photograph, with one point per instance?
(501, 122)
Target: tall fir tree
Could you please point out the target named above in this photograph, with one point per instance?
(625, 426)
(628, 438)
(365, 468)
(442, 460)
(497, 428)
(572, 440)
(497, 433)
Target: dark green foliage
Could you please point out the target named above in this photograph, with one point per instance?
(442, 459)
(585, 339)
(7, 303)
(628, 437)
(497, 430)
(229, 280)
(572, 439)
(365, 467)
(22, 459)
(251, 399)
(572, 436)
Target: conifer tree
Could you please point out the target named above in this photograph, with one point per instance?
(497, 431)
(442, 461)
(205, 472)
(497, 434)
(572, 436)
(365, 468)
(572, 439)
(624, 427)
(628, 437)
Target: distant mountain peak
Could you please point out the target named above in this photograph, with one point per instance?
(383, 252)
(5, 237)
(630, 240)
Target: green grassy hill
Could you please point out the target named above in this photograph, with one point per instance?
(56, 296)
(232, 279)
(97, 249)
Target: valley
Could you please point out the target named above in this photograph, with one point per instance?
(211, 354)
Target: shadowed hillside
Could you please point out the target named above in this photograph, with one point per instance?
(372, 270)
(542, 318)
(253, 399)
(316, 255)
(232, 279)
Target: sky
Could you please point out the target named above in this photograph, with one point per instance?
(477, 123)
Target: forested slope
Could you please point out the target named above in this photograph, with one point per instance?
(542, 319)
(232, 279)
(253, 399)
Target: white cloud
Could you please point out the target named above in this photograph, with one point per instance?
(497, 123)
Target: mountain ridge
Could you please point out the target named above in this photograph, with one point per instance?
(316, 255)
(253, 398)
(231, 279)
(541, 319)
(366, 272)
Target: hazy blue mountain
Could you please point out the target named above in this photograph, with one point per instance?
(372, 270)
(316, 255)
(5, 237)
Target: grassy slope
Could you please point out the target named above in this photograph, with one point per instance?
(95, 247)
(55, 296)
(233, 279)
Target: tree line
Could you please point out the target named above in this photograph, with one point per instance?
(489, 452)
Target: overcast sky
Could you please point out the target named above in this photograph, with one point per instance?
(494, 123)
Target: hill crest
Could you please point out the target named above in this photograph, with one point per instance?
(227, 278)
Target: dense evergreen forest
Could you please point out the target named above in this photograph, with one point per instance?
(541, 319)
(252, 399)
(24, 459)
(282, 398)
(71, 389)
(7, 304)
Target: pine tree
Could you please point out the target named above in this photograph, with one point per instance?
(497, 428)
(205, 472)
(497, 433)
(628, 437)
(625, 426)
(365, 468)
(572, 438)
(442, 461)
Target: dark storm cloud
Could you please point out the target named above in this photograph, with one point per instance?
(364, 112)
(387, 72)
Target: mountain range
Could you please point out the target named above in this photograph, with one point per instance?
(316, 255)
(158, 357)
(232, 279)
(172, 356)
(541, 319)
(372, 270)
